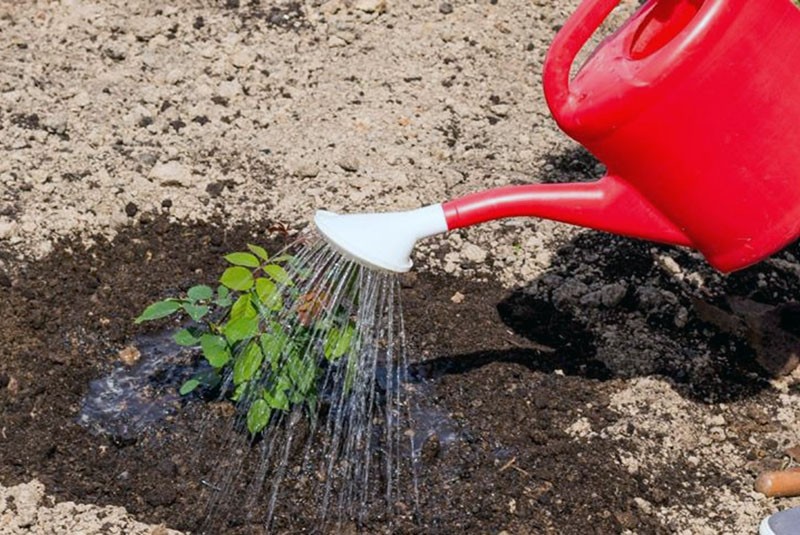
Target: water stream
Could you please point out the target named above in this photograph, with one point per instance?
(355, 445)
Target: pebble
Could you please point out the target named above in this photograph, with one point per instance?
(669, 264)
(473, 253)
(457, 298)
(243, 58)
(129, 355)
(7, 229)
(445, 8)
(335, 41)
(370, 6)
(171, 174)
(349, 164)
(131, 209)
(501, 110)
(307, 170)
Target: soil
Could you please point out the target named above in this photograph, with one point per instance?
(587, 383)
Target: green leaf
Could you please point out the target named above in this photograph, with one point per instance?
(278, 274)
(276, 397)
(239, 391)
(258, 416)
(243, 259)
(237, 278)
(338, 342)
(268, 294)
(196, 312)
(282, 258)
(223, 297)
(215, 349)
(200, 292)
(259, 251)
(240, 329)
(242, 308)
(188, 386)
(184, 337)
(273, 344)
(247, 363)
(158, 310)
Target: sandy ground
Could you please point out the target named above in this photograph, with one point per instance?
(112, 110)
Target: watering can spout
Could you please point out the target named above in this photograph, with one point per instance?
(385, 240)
(608, 204)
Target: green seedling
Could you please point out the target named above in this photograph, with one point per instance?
(259, 330)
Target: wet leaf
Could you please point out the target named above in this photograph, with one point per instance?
(240, 329)
(200, 292)
(282, 258)
(188, 386)
(215, 349)
(247, 364)
(277, 398)
(243, 308)
(243, 259)
(258, 416)
(160, 309)
(338, 342)
(268, 294)
(259, 251)
(278, 274)
(184, 337)
(237, 278)
(196, 312)
(273, 344)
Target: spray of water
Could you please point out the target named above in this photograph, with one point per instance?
(349, 441)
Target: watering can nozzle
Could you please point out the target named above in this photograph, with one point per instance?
(381, 241)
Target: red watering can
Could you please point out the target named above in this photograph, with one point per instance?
(693, 105)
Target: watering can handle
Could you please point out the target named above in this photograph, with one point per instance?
(578, 29)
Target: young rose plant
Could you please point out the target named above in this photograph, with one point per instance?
(274, 354)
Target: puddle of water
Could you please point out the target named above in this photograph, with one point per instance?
(131, 399)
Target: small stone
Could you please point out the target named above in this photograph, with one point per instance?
(668, 264)
(473, 253)
(243, 58)
(131, 209)
(501, 110)
(116, 50)
(370, 6)
(5, 280)
(171, 174)
(349, 164)
(334, 41)
(307, 170)
(457, 298)
(7, 228)
(129, 355)
(346, 36)
(445, 8)
(166, 203)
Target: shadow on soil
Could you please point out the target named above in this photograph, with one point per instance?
(610, 307)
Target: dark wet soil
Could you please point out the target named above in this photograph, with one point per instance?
(510, 372)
